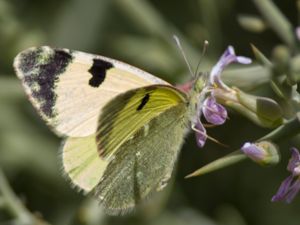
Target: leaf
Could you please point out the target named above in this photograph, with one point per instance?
(220, 163)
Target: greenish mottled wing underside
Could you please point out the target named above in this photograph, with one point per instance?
(143, 164)
(122, 117)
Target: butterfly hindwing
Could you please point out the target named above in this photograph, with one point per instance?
(121, 118)
(147, 134)
(68, 88)
(81, 162)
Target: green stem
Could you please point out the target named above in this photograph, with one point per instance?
(289, 129)
(220, 163)
(277, 21)
(14, 206)
(2, 202)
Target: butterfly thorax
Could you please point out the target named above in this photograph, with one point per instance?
(196, 97)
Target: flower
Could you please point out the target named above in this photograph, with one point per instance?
(253, 152)
(214, 112)
(290, 187)
(228, 57)
(263, 152)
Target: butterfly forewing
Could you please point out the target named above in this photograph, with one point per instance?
(69, 88)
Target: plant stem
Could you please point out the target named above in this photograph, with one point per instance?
(14, 206)
(277, 21)
(289, 129)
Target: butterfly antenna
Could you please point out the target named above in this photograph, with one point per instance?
(183, 54)
(205, 45)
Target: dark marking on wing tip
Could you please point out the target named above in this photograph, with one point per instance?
(28, 59)
(144, 101)
(42, 67)
(98, 72)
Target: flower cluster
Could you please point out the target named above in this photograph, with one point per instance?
(282, 70)
(212, 111)
(263, 111)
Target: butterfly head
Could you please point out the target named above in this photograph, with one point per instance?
(200, 82)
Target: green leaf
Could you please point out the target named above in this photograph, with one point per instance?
(220, 163)
(277, 21)
(261, 58)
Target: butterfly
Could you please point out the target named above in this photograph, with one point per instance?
(123, 127)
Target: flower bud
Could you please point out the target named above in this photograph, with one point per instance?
(264, 153)
(252, 23)
(263, 111)
(281, 57)
(267, 112)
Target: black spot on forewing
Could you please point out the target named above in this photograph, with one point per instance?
(41, 68)
(144, 101)
(98, 72)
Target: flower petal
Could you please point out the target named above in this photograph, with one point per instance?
(294, 162)
(283, 190)
(293, 191)
(243, 60)
(214, 112)
(200, 134)
(290, 187)
(228, 57)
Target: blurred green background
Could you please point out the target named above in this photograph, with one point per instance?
(139, 32)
